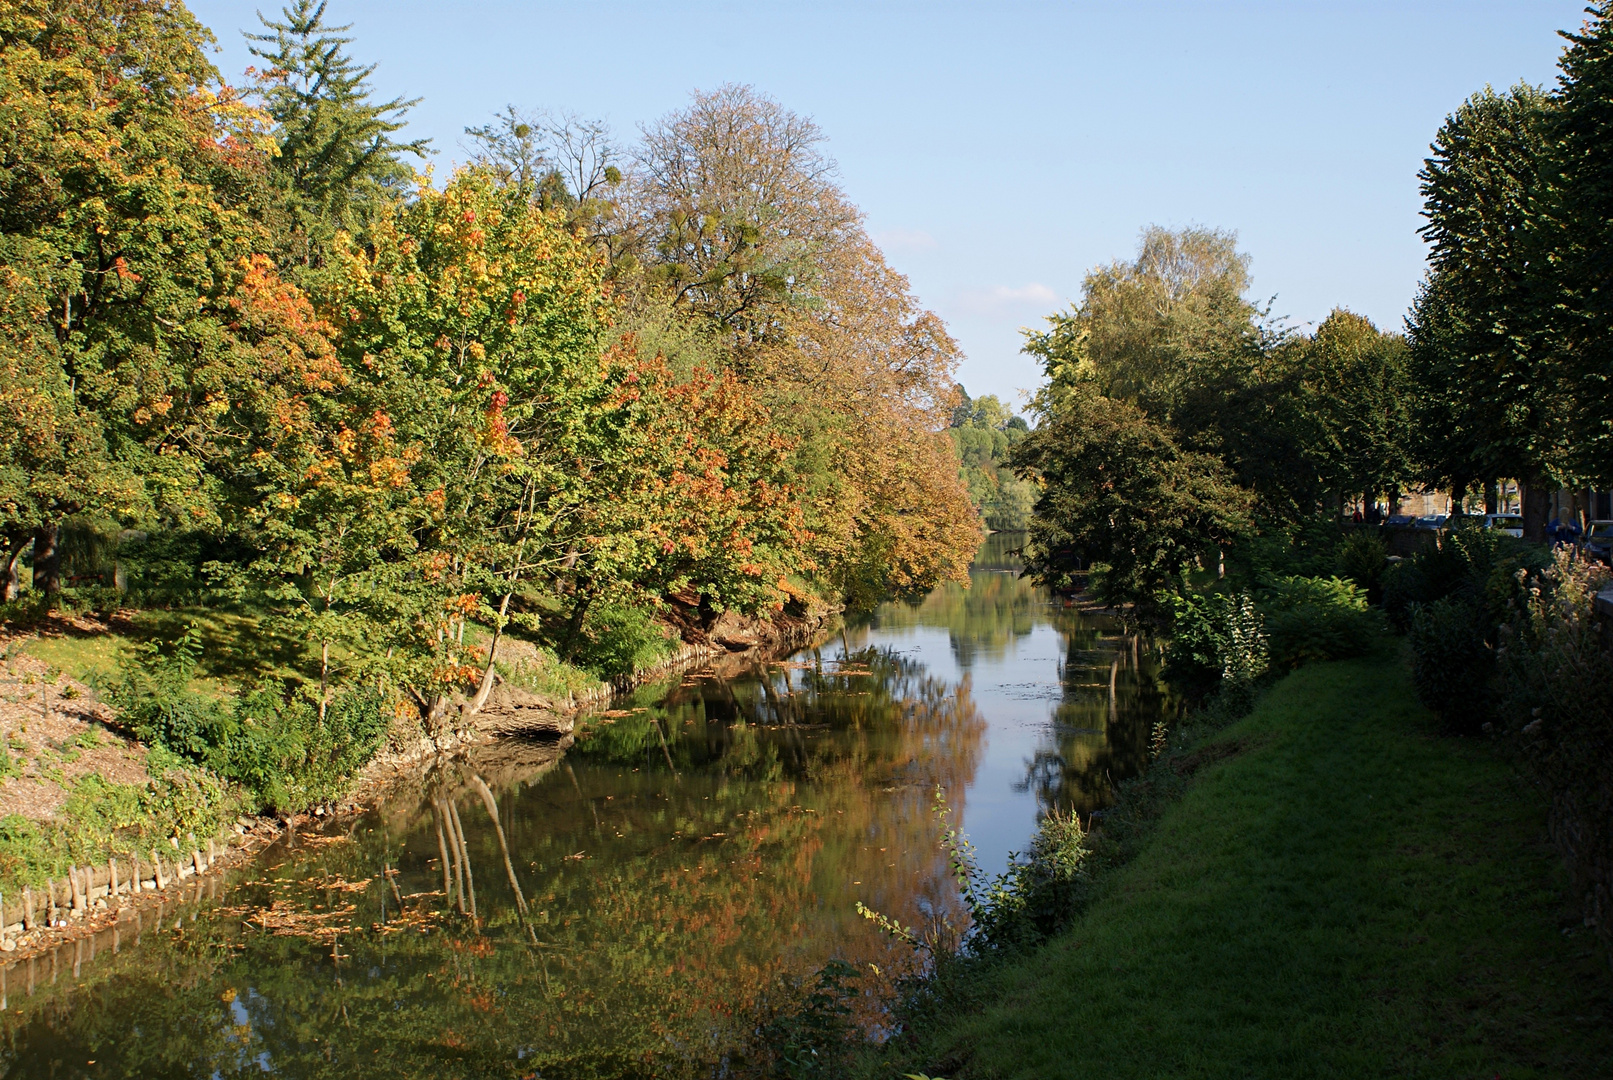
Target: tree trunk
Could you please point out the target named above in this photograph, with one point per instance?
(1536, 508)
(1492, 497)
(1458, 497)
(579, 610)
(489, 676)
(47, 560)
(10, 581)
(324, 680)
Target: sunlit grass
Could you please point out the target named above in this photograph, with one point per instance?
(1354, 895)
(238, 647)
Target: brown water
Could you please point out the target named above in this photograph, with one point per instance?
(631, 904)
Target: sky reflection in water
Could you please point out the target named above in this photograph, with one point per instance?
(637, 897)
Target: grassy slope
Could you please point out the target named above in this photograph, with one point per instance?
(1354, 895)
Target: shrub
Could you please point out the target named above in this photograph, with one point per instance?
(1404, 585)
(1218, 642)
(1452, 599)
(1482, 564)
(1305, 549)
(1040, 892)
(618, 640)
(181, 569)
(1309, 619)
(1363, 559)
(1452, 663)
(1031, 901)
(1556, 681)
(271, 741)
(156, 701)
(282, 751)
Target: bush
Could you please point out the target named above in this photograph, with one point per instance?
(1363, 559)
(1452, 663)
(1555, 662)
(1303, 549)
(157, 702)
(1482, 564)
(1218, 643)
(618, 640)
(271, 742)
(181, 569)
(1405, 585)
(1452, 599)
(1018, 909)
(1310, 619)
(281, 750)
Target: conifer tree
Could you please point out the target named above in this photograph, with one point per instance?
(338, 159)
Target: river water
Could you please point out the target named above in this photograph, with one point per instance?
(633, 903)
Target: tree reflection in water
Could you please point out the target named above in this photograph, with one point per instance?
(1111, 691)
(623, 906)
(621, 909)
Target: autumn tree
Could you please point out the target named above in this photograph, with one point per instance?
(740, 223)
(570, 163)
(738, 208)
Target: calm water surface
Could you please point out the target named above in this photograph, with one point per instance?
(629, 904)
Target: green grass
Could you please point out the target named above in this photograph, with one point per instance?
(237, 647)
(1352, 895)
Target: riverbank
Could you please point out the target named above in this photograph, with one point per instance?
(1346, 893)
(94, 828)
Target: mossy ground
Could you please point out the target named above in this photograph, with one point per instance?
(1350, 894)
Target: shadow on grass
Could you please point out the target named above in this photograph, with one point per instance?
(240, 647)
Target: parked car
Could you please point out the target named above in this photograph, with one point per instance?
(1402, 520)
(1432, 521)
(1598, 542)
(1511, 524)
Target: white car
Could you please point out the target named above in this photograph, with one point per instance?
(1511, 524)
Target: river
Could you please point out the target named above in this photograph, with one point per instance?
(630, 904)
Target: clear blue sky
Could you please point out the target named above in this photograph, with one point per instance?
(1000, 150)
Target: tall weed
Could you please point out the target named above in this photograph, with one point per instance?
(1218, 644)
(1556, 665)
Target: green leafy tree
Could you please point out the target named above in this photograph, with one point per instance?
(128, 205)
(1171, 332)
(1120, 497)
(1576, 229)
(1355, 404)
(1491, 387)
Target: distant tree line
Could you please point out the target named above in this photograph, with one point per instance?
(983, 432)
